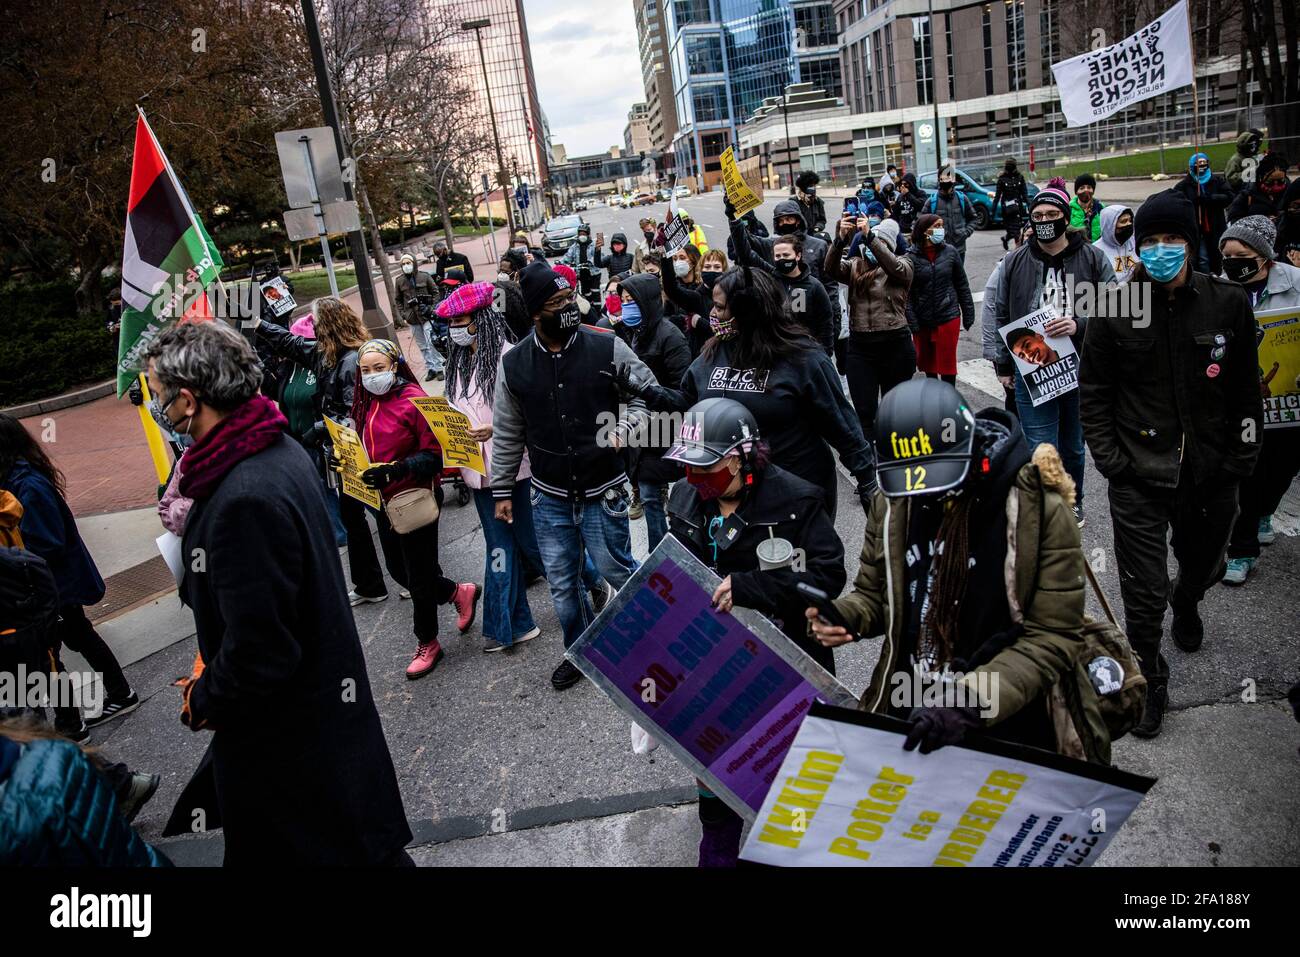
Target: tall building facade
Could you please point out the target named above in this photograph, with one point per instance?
(727, 56)
(661, 109)
(520, 123)
(636, 135)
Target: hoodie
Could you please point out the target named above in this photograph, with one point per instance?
(1123, 256)
(908, 207)
(760, 247)
(615, 262)
(1240, 170)
(663, 348)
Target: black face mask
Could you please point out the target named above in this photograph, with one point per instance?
(786, 229)
(787, 267)
(1051, 230)
(1122, 233)
(558, 325)
(649, 235)
(709, 277)
(1240, 268)
(947, 187)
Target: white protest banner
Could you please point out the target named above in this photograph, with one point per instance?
(848, 795)
(1155, 60)
(1048, 364)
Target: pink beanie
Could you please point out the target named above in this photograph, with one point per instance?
(304, 326)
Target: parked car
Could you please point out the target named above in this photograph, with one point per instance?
(663, 195)
(559, 234)
(643, 199)
(979, 185)
(682, 192)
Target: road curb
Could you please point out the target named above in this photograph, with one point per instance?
(65, 401)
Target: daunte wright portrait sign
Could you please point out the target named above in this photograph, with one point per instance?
(849, 795)
(724, 692)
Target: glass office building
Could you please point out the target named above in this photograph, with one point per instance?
(727, 56)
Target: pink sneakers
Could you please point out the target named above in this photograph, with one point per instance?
(466, 601)
(426, 659)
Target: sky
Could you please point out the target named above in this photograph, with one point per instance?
(588, 70)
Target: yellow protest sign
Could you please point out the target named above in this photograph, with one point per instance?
(452, 430)
(1279, 367)
(742, 197)
(350, 451)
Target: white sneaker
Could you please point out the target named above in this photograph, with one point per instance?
(528, 636)
(354, 599)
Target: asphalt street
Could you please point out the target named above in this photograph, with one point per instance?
(497, 767)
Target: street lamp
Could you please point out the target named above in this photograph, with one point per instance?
(477, 26)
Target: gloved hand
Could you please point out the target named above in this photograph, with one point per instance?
(626, 384)
(967, 322)
(867, 491)
(932, 728)
(135, 393)
(379, 476)
(728, 208)
(333, 462)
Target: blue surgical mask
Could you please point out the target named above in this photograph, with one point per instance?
(631, 315)
(1203, 176)
(936, 236)
(874, 221)
(867, 194)
(1163, 261)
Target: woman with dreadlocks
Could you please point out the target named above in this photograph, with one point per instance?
(479, 339)
(973, 572)
(398, 439)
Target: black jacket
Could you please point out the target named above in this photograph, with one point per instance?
(782, 504)
(298, 756)
(816, 312)
(514, 310)
(443, 263)
(814, 214)
(940, 290)
(334, 384)
(615, 262)
(1011, 188)
(910, 205)
(1211, 201)
(1253, 202)
(662, 347)
(690, 300)
(1149, 403)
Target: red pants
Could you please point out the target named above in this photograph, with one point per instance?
(936, 348)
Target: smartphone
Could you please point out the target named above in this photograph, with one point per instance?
(600, 239)
(825, 607)
(851, 207)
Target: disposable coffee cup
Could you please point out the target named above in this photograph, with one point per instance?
(774, 553)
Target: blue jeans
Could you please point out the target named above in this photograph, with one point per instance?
(506, 615)
(656, 520)
(423, 333)
(1057, 422)
(526, 542)
(565, 529)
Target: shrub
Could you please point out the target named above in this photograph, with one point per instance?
(48, 348)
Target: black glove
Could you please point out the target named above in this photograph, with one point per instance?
(380, 476)
(333, 462)
(135, 393)
(622, 376)
(867, 491)
(932, 728)
(727, 208)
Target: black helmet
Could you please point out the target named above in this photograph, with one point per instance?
(712, 430)
(923, 438)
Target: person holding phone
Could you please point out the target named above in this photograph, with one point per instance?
(957, 588)
(764, 531)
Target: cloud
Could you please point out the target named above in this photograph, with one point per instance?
(588, 74)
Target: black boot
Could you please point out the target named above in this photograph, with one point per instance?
(1153, 713)
(1187, 630)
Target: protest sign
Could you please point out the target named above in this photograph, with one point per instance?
(1155, 60)
(277, 295)
(1048, 364)
(850, 796)
(742, 197)
(1279, 366)
(724, 692)
(349, 450)
(452, 429)
(676, 235)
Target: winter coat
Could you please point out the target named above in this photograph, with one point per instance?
(1149, 403)
(760, 247)
(334, 384)
(694, 303)
(1281, 290)
(408, 287)
(811, 305)
(989, 310)
(1211, 202)
(1020, 288)
(780, 504)
(298, 756)
(1240, 169)
(1254, 202)
(451, 261)
(1288, 224)
(882, 306)
(958, 217)
(1123, 257)
(59, 811)
(49, 530)
(394, 430)
(940, 290)
(1022, 614)
(662, 347)
(1087, 220)
(814, 214)
(1011, 188)
(907, 207)
(615, 262)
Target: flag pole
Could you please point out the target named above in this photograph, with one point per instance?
(1196, 111)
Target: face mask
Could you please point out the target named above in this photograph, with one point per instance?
(521, 249)
(631, 315)
(584, 240)
(461, 336)
(709, 485)
(1051, 230)
(183, 439)
(614, 304)
(868, 194)
(1123, 233)
(617, 248)
(681, 268)
(787, 229)
(709, 277)
(408, 268)
(649, 236)
(1163, 261)
(1274, 189)
(723, 329)
(557, 325)
(810, 192)
(946, 187)
(378, 383)
(504, 277)
(1240, 268)
(936, 236)
(786, 267)
(873, 221)
(1202, 177)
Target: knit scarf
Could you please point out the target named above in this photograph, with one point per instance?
(249, 429)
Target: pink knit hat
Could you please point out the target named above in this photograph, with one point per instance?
(304, 326)
(1053, 194)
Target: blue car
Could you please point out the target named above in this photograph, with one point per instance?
(979, 185)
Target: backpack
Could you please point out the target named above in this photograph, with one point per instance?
(29, 606)
(1113, 670)
(965, 203)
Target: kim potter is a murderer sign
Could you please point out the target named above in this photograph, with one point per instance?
(848, 795)
(724, 692)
